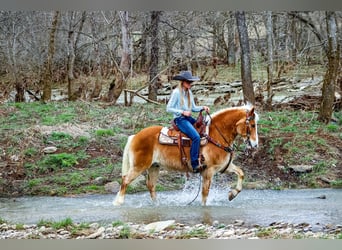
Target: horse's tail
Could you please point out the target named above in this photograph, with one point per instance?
(125, 158)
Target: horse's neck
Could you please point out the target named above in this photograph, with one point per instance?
(223, 126)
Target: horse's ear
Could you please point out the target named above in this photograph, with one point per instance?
(251, 112)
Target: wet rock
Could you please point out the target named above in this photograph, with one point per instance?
(94, 225)
(216, 223)
(157, 230)
(239, 222)
(97, 234)
(159, 225)
(317, 228)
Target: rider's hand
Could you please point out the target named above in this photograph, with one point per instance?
(186, 113)
(206, 108)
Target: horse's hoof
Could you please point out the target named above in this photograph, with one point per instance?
(116, 204)
(118, 201)
(232, 194)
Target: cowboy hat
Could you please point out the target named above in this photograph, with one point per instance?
(186, 76)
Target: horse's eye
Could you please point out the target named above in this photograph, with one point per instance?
(253, 125)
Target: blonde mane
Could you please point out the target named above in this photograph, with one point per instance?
(247, 107)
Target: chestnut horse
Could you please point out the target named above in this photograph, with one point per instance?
(144, 152)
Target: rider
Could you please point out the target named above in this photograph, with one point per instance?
(182, 104)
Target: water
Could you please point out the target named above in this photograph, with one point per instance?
(260, 207)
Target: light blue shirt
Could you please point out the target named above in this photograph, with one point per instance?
(174, 104)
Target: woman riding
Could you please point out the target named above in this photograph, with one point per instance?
(182, 104)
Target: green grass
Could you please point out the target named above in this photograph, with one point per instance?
(194, 233)
(104, 132)
(117, 223)
(2, 221)
(62, 160)
(62, 224)
(80, 159)
(265, 233)
(125, 232)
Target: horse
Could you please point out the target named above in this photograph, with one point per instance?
(143, 151)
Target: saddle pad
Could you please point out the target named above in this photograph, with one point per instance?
(165, 138)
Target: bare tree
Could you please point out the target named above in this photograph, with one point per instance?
(332, 51)
(153, 87)
(47, 78)
(73, 40)
(333, 55)
(231, 40)
(119, 83)
(246, 73)
(269, 34)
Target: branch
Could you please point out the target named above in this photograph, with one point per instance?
(141, 96)
(311, 26)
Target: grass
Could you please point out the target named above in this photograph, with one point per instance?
(104, 132)
(125, 231)
(67, 224)
(194, 233)
(80, 159)
(297, 132)
(265, 233)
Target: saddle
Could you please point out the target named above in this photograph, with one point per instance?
(173, 136)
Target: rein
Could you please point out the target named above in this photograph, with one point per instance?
(228, 149)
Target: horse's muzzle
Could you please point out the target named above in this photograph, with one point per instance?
(251, 144)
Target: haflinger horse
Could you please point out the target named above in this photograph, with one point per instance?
(144, 152)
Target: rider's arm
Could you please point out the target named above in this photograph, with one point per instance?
(194, 107)
(173, 106)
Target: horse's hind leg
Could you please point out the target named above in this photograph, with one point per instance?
(152, 177)
(126, 180)
(238, 171)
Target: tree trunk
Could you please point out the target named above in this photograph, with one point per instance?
(20, 88)
(246, 74)
(143, 46)
(153, 87)
(73, 39)
(119, 83)
(269, 34)
(231, 41)
(328, 90)
(47, 77)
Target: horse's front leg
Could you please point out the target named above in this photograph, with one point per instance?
(238, 171)
(151, 180)
(207, 176)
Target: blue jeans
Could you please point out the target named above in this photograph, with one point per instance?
(185, 125)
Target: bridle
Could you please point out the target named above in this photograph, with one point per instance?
(228, 148)
(248, 129)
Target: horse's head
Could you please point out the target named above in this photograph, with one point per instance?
(247, 128)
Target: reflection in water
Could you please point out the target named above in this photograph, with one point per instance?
(206, 216)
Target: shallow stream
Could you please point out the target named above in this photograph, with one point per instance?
(261, 207)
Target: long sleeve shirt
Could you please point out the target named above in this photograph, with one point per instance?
(174, 105)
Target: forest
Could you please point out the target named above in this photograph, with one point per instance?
(75, 84)
(96, 55)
